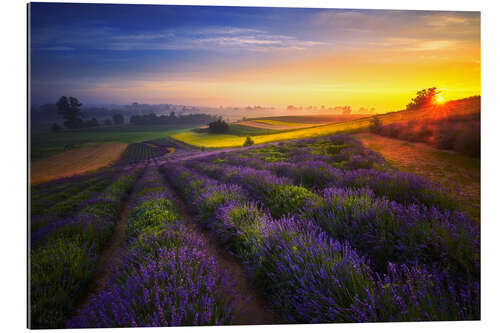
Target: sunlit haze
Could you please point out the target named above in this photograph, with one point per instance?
(229, 56)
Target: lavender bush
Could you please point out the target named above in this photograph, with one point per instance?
(165, 278)
(63, 267)
(390, 232)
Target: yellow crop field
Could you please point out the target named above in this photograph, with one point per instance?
(348, 126)
(210, 140)
(75, 161)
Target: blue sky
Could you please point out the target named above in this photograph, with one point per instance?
(188, 54)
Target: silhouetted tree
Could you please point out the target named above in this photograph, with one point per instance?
(375, 125)
(346, 110)
(108, 122)
(424, 98)
(118, 119)
(70, 109)
(248, 142)
(219, 126)
(172, 119)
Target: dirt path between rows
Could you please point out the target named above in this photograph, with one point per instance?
(111, 255)
(250, 308)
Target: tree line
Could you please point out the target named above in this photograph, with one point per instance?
(70, 108)
(172, 119)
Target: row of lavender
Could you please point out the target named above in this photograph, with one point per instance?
(44, 196)
(59, 203)
(40, 191)
(164, 277)
(156, 151)
(341, 253)
(340, 161)
(66, 247)
(382, 229)
(142, 152)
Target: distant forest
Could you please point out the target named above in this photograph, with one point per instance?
(136, 114)
(173, 119)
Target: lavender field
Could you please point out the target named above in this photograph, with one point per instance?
(317, 230)
(206, 165)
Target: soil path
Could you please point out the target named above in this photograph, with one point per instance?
(454, 171)
(250, 308)
(111, 255)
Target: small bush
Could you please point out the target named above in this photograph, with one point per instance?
(468, 142)
(391, 130)
(248, 142)
(237, 226)
(287, 199)
(375, 125)
(209, 201)
(445, 138)
(335, 149)
(60, 274)
(306, 274)
(150, 214)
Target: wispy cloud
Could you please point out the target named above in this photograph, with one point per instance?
(383, 25)
(432, 45)
(213, 38)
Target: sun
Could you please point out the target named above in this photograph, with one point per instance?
(439, 99)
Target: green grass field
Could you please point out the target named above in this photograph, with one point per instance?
(242, 130)
(45, 143)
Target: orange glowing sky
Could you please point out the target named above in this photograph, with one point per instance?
(250, 56)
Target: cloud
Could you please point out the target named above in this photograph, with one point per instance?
(212, 38)
(432, 45)
(376, 26)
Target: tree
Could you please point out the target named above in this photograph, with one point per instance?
(424, 98)
(219, 126)
(108, 122)
(346, 110)
(375, 125)
(70, 109)
(248, 142)
(118, 119)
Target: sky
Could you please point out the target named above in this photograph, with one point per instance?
(239, 56)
